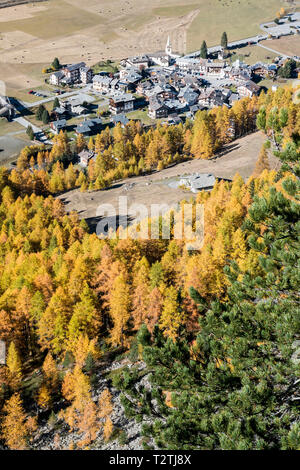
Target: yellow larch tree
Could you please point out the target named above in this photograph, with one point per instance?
(14, 365)
(119, 308)
(16, 427)
(140, 293)
(44, 397)
(105, 409)
(108, 429)
(88, 425)
(171, 318)
(51, 372)
(76, 388)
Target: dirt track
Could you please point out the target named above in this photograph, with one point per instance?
(12, 3)
(240, 158)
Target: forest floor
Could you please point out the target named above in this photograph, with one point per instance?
(238, 157)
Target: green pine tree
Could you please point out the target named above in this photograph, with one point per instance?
(224, 40)
(236, 386)
(40, 111)
(30, 133)
(56, 64)
(56, 103)
(45, 117)
(203, 51)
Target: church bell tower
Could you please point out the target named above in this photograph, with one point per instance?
(169, 47)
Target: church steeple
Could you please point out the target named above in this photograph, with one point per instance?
(168, 47)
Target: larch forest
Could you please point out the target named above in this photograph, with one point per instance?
(207, 339)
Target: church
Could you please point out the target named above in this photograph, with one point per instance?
(169, 51)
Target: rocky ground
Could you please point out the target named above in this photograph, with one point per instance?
(44, 439)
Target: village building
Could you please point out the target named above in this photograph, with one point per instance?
(60, 113)
(157, 110)
(85, 156)
(264, 70)
(86, 75)
(89, 127)
(173, 120)
(141, 62)
(176, 107)
(188, 64)
(248, 89)
(144, 88)
(72, 72)
(124, 87)
(189, 80)
(160, 58)
(119, 104)
(120, 119)
(188, 96)
(198, 182)
(194, 110)
(7, 110)
(75, 106)
(58, 126)
(102, 83)
(114, 85)
(129, 79)
(132, 73)
(78, 110)
(163, 91)
(211, 69)
(233, 98)
(56, 78)
(169, 51)
(210, 97)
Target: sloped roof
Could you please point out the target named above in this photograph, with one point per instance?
(59, 123)
(120, 118)
(200, 181)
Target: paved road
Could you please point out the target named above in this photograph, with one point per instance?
(22, 106)
(36, 130)
(232, 45)
(285, 26)
(52, 98)
(78, 92)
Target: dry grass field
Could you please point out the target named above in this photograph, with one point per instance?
(253, 54)
(289, 45)
(9, 127)
(31, 35)
(10, 147)
(239, 18)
